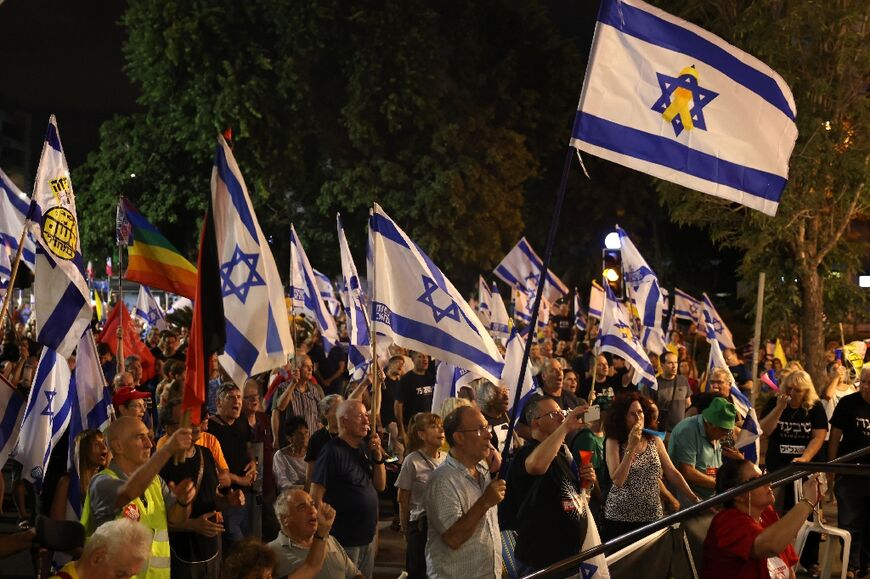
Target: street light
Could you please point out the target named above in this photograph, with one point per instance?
(611, 240)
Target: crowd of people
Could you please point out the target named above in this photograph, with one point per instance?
(285, 475)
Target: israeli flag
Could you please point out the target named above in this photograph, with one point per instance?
(448, 380)
(46, 417)
(149, 311)
(415, 305)
(646, 294)
(499, 323)
(687, 308)
(13, 404)
(14, 205)
(359, 355)
(721, 331)
(306, 293)
(579, 314)
(668, 98)
(513, 361)
(748, 441)
(257, 325)
(327, 293)
(595, 567)
(492, 310)
(521, 269)
(91, 407)
(63, 304)
(616, 336)
(596, 300)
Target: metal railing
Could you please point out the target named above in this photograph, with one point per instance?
(790, 473)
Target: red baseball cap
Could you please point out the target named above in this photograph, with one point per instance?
(125, 395)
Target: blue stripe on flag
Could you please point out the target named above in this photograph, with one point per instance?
(626, 350)
(388, 229)
(506, 276)
(273, 339)
(236, 193)
(54, 330)
(650, 28)
(436, 337)
(240, 349)
(539, 265)
(669, 153)
(52, 138)
(10, 416)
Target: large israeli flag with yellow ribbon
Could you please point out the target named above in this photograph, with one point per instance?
(668, 98)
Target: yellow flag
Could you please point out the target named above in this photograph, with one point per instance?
(779, 353)
(98, 305)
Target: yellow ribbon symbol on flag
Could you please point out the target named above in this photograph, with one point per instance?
(681, 99)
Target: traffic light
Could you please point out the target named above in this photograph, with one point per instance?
(612, 271)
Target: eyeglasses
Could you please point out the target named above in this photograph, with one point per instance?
(482, 430)
(554, 414)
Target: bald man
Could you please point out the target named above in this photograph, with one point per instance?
(130, 487)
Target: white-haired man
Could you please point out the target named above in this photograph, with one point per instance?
(304, 548)
(118, 549)
(348, 475)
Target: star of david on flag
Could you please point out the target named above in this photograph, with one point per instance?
(46, 416)
(305, 285)
(616, 336)
(716, 325)
(149, 310)
(686, 307)
(670, 99)
(441, 325)
(646, 294)
(242, 267)
(521, 269)
(683, 100)
(255, 313)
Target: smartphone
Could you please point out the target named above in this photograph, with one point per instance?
(593, 414)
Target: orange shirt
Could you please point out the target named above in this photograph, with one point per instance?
(208, 441)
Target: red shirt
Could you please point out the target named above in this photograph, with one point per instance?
(728, 546)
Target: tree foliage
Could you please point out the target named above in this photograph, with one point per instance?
(821, 49)
(440, 112)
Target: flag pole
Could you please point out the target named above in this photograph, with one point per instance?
(13, 274)
(756, 338)
(376, 384)
(292, 310)
(539, 294)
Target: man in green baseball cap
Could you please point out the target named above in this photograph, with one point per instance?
(694, 445)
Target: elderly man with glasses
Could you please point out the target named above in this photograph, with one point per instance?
(464, 539)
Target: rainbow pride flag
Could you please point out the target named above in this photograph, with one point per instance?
(153, 260)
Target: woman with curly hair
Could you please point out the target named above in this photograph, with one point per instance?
(636, 462)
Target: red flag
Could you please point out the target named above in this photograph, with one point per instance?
(207, 330)
(132, 344)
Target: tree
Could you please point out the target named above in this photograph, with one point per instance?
(821, 50)
(439, 112)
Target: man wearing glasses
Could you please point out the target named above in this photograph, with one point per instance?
(464, 539)
(545, 488)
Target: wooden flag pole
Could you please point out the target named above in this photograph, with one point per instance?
(756, 339)
(13, 274)
(376, 382)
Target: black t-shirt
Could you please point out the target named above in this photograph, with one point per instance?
(549, 523)
(391, 390)
(346, 473)
(415, 394)
(316, 443)
(189, 546)
(330, 365)
(563, 325)
(234, 441)
(600, 387)
(793, 432)
(852, 416)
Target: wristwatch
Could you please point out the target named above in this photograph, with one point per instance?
(319, 537)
